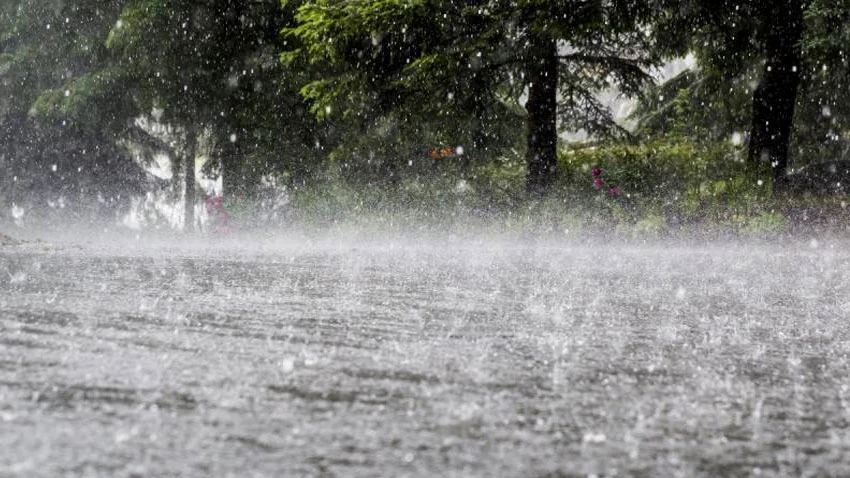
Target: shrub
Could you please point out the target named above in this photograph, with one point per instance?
(686, 180)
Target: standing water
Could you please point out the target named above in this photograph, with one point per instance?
(418, 358)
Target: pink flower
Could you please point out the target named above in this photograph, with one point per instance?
(615, 192)
(214, 204)
(598, 183)
(596, 172)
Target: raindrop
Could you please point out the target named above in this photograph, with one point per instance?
(737, 138)
(591, 437)
(287, 364)
(17, 278)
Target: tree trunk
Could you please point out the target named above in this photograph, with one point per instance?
(189, 181)
(542, 134)
(775, 97)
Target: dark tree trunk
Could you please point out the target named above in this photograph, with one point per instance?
(542, 133)
(775, 97)
(189, 181)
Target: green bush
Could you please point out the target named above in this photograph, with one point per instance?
(671, 186)
(685, 180)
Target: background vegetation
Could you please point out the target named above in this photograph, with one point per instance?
(415, 113)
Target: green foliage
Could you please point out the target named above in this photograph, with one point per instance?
(765, 224)
(390, 80)
(696, 104)
(670, 187)
(444, 72)
(213, 67)
(53, 162)
(650, 226)
(94, 99)
(677, 179)
(728, 39)
(823, 122)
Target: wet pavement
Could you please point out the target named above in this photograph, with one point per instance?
(441, 358)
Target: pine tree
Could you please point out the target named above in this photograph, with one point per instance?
(209, 69)
(52, 162)
(443, 59)
(781, 47)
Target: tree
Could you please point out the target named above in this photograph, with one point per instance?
(443, 59)
(51, 162)
(775, 97)
(208, 69)
(173, 53)
(698, 104)
(822, 126)
(728, 37)
(795, 54)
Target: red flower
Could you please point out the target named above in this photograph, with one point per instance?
(615, 192)
(596, 172)
(598, 183)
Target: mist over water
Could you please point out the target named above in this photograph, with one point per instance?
(304, 354)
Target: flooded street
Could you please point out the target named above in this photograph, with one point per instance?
(404, 358)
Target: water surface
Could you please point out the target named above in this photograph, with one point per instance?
(425, 358)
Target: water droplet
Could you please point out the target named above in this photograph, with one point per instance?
(287, 364)
(592, 437)
(737, 139)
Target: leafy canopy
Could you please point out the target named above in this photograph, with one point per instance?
(432, 64)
